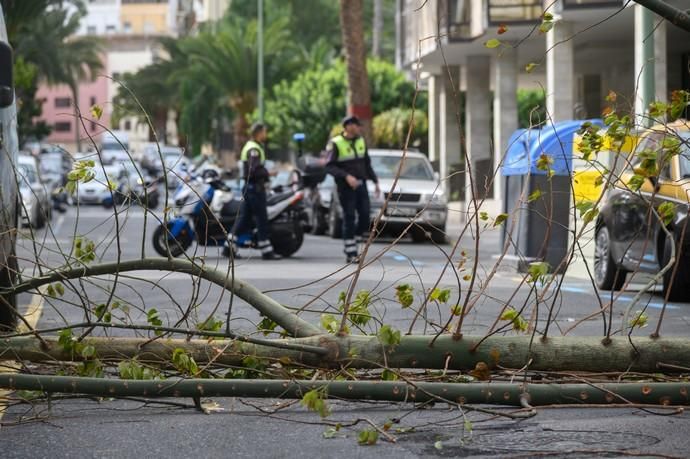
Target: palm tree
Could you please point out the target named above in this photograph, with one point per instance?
(227, 61)
(358, 95)
(48, 42)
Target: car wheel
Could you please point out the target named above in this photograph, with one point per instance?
(319, 225)
(418, 235)
(335, 222)
(607, 274)
(676, 287)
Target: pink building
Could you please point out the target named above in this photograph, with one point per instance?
(59, 112)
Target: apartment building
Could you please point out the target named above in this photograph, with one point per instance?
(594, 46)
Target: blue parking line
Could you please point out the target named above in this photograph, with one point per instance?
(406, 259)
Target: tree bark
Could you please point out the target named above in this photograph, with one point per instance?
(577, 354)
(517, 394)
(358, 93)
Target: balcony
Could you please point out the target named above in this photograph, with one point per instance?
(574, 4)
(514, 11)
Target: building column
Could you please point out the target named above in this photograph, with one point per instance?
(449, 147)
(660, 60)
(478, 125)
(435, 87)
(560, 67)
(644, 63)
(505, 109)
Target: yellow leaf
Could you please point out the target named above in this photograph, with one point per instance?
(531, 66)
(493, 43)
(96, 112)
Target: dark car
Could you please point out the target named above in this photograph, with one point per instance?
(630, 237)
(9, 146)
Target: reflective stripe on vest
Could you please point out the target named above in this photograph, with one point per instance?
(345, 150)
(250, 145)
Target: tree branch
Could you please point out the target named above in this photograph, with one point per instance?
(672, 14)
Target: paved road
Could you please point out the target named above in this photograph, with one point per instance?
(127, 428)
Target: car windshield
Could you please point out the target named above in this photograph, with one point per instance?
(27, 175)
(413, 169)
(685, 154)
(51, 163)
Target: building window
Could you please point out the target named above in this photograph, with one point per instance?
(127, 26)
(62, 102)
(116, 75)
(128, 125)
(92, 127)
(109, 28)
(91, 30)
(63, 126)
(92, 101)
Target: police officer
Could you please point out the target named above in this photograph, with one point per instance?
(349, 163)
(253, 207)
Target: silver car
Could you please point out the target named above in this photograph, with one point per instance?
(418, 197)
(36, 208)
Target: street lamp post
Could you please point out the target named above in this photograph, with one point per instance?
(260, 60)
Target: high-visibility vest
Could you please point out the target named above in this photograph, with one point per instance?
(345, 150)
(250, 145)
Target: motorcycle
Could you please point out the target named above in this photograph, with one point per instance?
(207, 209)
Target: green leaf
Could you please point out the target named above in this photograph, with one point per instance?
(367, 437)
(484, 216)
(640, 320)
(500, 219)
(403, 293)
(636, 182)
(544, 162)
(210, 324)
(545, 26)
(438, 445)
(538, 270)
(330, 323)
(492, 43)
(531, 66)
(547, 16)
(88, 351)
(456, 310)
(314, 401)
(388, 336)
(536, 194)
(388, 375)
(667, 211)
(440, 295)
(266, 326)
(59, 289)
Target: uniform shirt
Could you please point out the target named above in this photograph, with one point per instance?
(359, 166)
(255, 173)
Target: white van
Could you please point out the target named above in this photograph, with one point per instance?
(9, 146)
(115, 147)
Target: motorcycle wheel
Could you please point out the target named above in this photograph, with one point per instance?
(177, 245)
(287, 243)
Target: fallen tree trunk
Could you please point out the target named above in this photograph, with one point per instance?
(488, 393)
(586, 354)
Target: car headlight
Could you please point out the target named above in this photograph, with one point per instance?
(434, 198)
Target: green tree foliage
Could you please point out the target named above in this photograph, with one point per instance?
(315, 101)
(531, 108)
(391, 128)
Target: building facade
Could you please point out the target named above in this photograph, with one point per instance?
(594, 46)
(130, 31)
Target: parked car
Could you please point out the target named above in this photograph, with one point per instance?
(54, 167)
(9, 146)
(115, 147)
(418, 197)
(96, 191)
(629, 237)
(35, 208)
